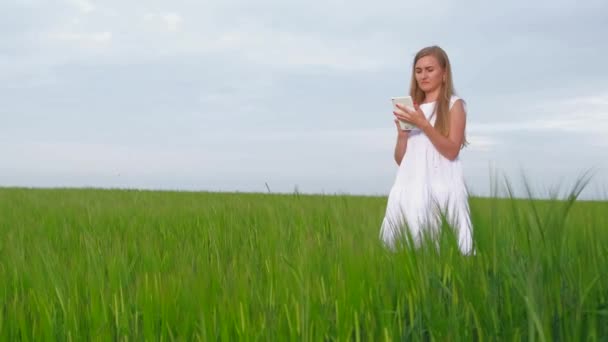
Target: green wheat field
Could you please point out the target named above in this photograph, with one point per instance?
(90, 264)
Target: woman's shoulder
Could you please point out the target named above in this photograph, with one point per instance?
(454, 99)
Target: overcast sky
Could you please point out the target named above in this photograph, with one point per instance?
(230, 95)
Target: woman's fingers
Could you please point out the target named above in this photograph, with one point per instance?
(416, 107)
(400, 112)
(402, 116)
(405, 109)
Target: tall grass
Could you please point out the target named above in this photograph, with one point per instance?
(109, 264)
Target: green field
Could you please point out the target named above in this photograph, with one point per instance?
(142, 265)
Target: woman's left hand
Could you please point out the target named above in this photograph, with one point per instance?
(415, 116)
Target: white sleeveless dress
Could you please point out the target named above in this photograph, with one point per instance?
(427, 186)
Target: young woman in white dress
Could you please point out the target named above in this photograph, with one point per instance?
(429, 183)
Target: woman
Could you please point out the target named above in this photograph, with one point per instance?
(429, 183)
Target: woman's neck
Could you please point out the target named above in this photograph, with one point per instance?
(432, 96)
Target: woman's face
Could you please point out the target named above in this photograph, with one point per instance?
(429, 73)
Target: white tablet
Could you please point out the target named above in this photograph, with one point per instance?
(406, 101)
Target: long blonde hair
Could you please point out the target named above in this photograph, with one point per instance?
(442, 108)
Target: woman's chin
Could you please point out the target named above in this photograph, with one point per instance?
(427, 88)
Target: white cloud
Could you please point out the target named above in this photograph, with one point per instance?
(582, 114)
(169, 21)
(173, 21)
(579, 114)
(498, 127)
(84, 39)
(253, 41)
(164, 33)
(107, 158)
(284, 49)
(362, 139)
(297, 49)
(482, 143)
(597, 100)
(85, 6)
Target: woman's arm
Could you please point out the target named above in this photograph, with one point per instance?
(400, 147)
(449, 146)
